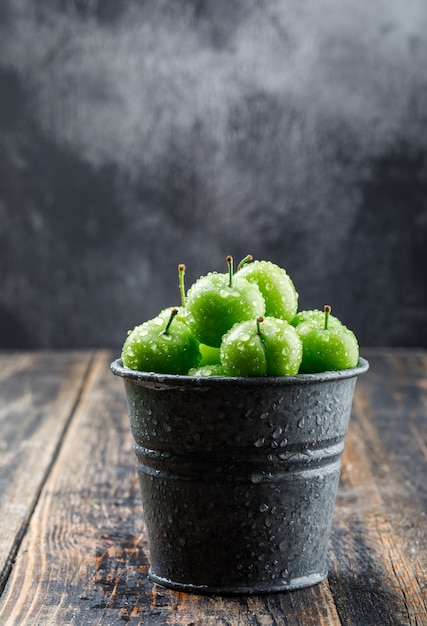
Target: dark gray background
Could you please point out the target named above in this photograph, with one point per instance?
(136, 135)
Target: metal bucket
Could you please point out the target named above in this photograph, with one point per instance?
(238, 476)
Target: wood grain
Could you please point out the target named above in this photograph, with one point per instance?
(37, 395)
(379, 539)
(84, 557)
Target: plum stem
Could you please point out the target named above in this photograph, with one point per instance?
(229, 260)
(327, 310)
(181, 273)
(247, 258)
(174, 312)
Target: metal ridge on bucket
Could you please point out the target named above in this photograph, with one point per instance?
(119, 369)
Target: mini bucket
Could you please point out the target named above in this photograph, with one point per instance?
(238, 476)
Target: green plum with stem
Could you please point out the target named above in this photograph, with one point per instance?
(315, 317)
(216, 302)
(327, 347)
(166, 347)
(276, 286)
(263, 347)
(209, 355)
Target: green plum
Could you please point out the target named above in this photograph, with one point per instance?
(280, 295)
(263, 347)
(325, 347)
(181, 316)
(215, 369)
(166, 347)
(315, 316)
(216, 302)
(210, 355)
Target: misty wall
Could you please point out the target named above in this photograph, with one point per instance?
(136, 135)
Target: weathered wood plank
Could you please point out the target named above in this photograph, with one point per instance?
(37, 394)
(379, 539)
(84, 558)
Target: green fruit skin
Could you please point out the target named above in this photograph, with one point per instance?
(214, 369)
(213, 307)
(327, 350)
(180, 317)
(283, 347)
(277, 351)
(316, 317)
(210, 356)
(277, 288)
(242, 351)
(147, 349)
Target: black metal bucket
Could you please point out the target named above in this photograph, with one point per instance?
(238, 476)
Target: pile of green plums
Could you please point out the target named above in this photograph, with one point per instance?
(243, 323)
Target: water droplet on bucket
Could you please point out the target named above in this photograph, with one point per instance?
(277, 432)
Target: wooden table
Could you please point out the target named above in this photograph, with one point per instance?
(72, 542)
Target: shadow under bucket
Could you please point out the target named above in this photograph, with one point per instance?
(238, 476)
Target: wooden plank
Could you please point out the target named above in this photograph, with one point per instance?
(84, 558)
(37, 394)
(379, 539)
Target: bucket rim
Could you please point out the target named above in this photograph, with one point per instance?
(173, 380)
